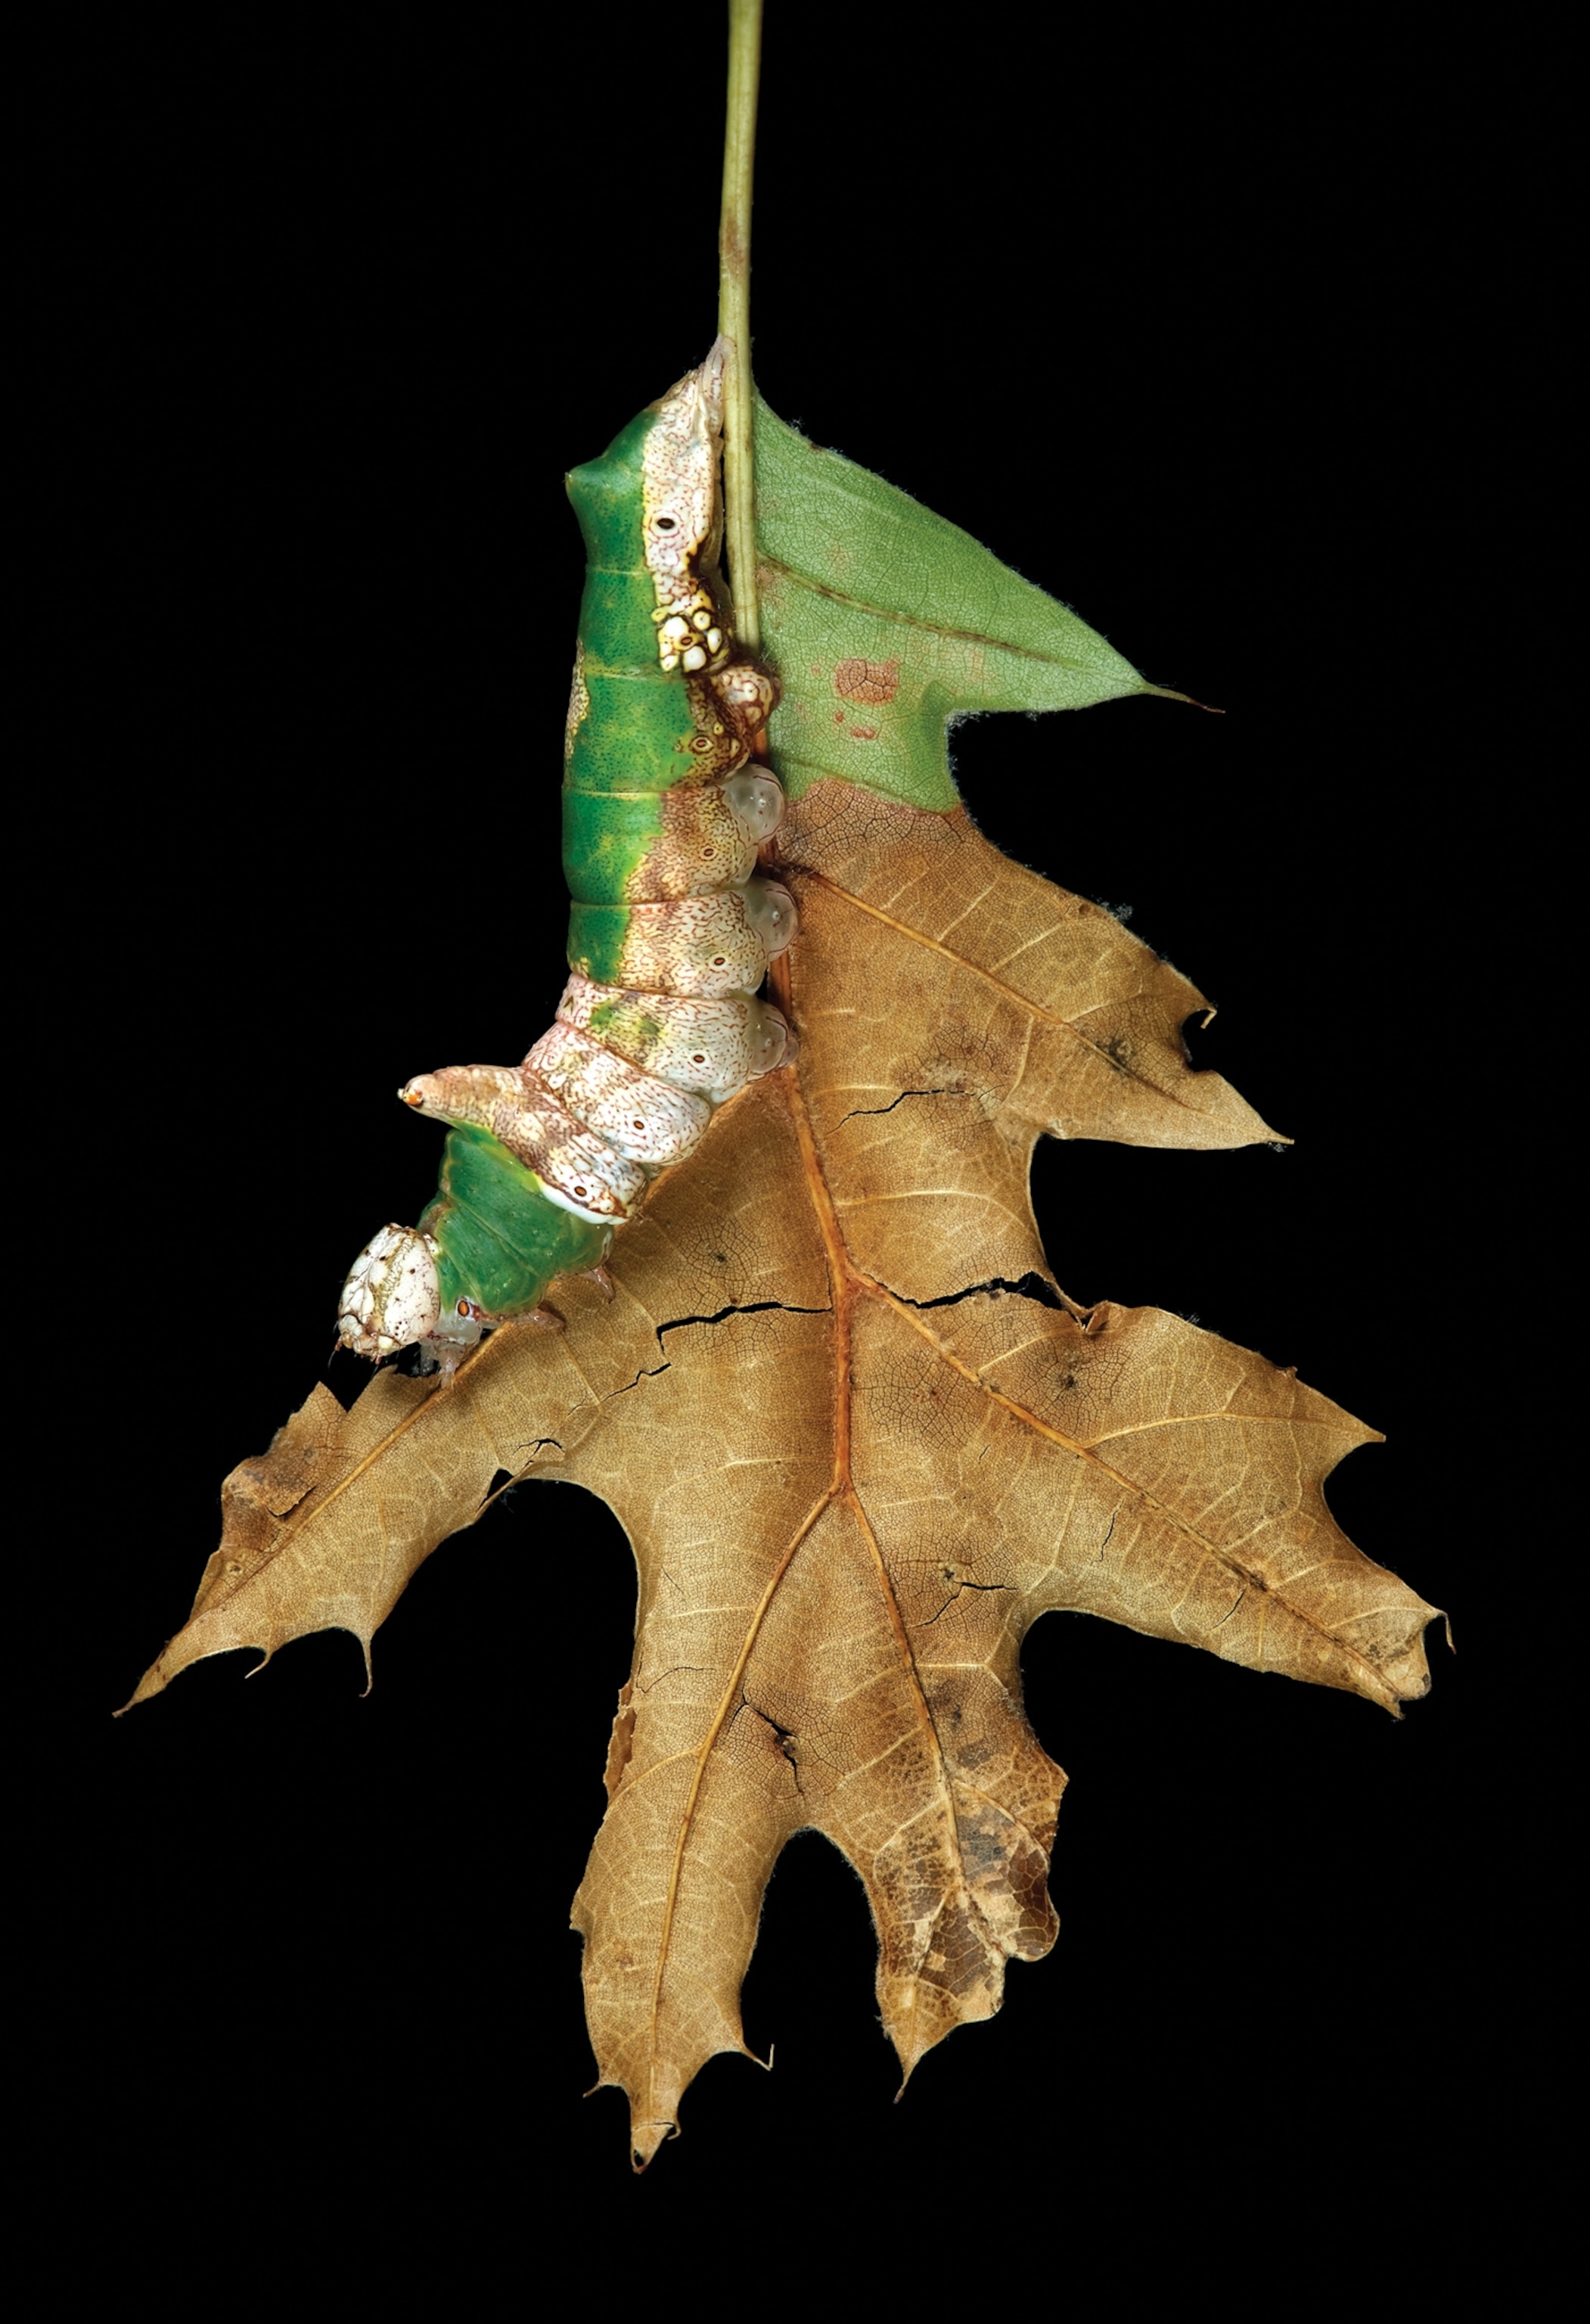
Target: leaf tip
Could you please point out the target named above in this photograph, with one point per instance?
(645, 2138)
(152, 1683)
(1169, 694)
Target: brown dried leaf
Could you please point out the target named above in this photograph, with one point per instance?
(854, 1459)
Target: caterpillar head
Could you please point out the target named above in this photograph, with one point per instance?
(391, 1296)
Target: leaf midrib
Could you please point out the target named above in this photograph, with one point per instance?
(1029, 1418)
(914, 622)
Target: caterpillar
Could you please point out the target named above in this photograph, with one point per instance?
(669, 932)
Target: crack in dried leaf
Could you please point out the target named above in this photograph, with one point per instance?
(858, 1112)
(739, 1307)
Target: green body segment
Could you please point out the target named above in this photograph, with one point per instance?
(500, 1241)
(609, 498)
(633, 742)
(596, 941)
(606, 836)
(636, 734)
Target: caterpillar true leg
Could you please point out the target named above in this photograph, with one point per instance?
(669, 930)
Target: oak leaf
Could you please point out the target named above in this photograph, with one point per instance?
(858, 1436)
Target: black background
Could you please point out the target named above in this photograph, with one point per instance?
(1181, 332)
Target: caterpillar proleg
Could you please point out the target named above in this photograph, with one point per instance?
(670, 932)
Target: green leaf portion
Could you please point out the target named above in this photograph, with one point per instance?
(883, 621)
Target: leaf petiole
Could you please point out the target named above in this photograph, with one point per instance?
(734, 308)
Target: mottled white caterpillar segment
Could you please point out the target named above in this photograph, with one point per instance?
(391, 1295)
(649, 1120)
(710, 837)
(707, 945)
(522, 1113)
(681, 516)
(711, 1046)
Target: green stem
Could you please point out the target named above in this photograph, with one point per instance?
(734, 315)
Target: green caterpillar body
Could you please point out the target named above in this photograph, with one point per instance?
(669, 932)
